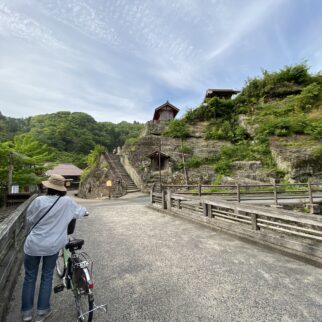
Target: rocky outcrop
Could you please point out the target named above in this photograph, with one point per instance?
(299, 156)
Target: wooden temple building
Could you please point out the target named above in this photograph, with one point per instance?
(165, 112)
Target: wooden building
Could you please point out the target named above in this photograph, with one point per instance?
(165, 112)
(158, 162)
(69, 171)
(221, 93)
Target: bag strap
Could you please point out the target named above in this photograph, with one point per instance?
(42, 216)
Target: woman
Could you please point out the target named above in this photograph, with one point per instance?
(47, 218)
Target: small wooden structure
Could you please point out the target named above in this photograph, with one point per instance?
(221, 93)
(159, 161)
(69, 171)
(165, 112)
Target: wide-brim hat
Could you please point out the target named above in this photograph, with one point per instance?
(56, 182)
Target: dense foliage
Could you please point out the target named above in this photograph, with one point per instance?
(59, 137)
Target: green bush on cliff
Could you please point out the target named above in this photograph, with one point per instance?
(177, 129)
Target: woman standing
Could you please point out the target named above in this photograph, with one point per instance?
(47, 218)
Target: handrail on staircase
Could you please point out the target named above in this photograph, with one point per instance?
(116, 170)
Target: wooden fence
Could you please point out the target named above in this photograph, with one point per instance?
(308, 192)
(293, 233)
(11, 252)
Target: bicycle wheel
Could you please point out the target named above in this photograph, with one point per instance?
(60, 264)
(84, 304)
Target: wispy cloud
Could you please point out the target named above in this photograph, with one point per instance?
(13, 24)
(121, 59)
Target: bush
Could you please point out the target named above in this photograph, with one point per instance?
(309, 97)
(212, 109)
(177, 129)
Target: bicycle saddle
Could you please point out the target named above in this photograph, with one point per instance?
(75, 244)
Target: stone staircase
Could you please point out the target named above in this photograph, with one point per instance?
(120, 173)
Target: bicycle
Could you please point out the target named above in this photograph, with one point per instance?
(75, 270)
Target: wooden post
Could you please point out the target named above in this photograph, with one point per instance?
(169, 199)
(275, 192)
(238, 192)
(205, 209)
(151, 193)
(199, 189)
(310, 191)
(163, 201)
(210, 215)
(254, 222)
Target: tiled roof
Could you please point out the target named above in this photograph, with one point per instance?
(65, 169)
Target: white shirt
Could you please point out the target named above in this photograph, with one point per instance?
(50, 234)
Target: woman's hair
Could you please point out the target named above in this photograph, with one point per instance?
(53, 192)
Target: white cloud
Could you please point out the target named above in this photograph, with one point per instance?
(120, 59)
(21, 26)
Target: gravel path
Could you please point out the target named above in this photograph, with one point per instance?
(152, 267)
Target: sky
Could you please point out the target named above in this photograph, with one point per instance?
(118, 60)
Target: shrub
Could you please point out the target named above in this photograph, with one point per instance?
(310, 95)
(177, 129)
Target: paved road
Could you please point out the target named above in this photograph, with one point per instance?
(154, 267)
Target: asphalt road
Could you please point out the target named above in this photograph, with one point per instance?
(152, 267)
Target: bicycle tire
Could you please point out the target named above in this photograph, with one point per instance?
(84, 303)
(60, 264)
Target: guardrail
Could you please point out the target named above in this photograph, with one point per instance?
(293, 233)
(11, 252)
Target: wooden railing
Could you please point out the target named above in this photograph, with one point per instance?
(297, 234)
(12, 237)
(239, 192)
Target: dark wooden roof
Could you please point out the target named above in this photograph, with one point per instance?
(156, 154)
(159, 109)
(211, 92)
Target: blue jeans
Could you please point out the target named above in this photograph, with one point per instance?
(31, 264)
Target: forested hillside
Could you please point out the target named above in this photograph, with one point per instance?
(58, 137)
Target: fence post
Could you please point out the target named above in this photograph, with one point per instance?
(199, 189)
(238, 192)
(275, 192)
(310, 191)
(210, 215)
(254, 222)
(205, 209)
(163, 199)
(169, 199)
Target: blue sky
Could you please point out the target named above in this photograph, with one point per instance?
(120, 59)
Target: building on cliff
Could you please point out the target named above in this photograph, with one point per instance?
(165, 112)
(220, 93)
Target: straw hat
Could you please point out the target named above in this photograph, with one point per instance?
(56, 182)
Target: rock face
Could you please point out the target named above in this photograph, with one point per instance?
(138, 164)
(299, 157)
(94, 185)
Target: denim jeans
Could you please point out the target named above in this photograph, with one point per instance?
(31, 264)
